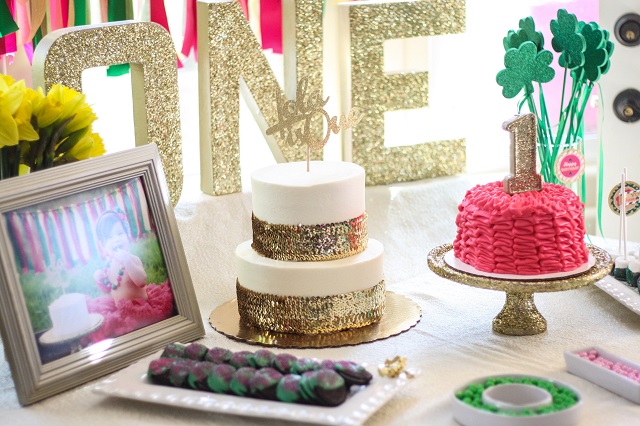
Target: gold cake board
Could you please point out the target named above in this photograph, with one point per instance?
(401, 314)
(519, 316)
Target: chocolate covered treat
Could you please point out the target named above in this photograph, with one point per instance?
(173, 350)
(330, 388)
(263, 374)
(240, 381)
(302, 365)
(179, 371)
(197, 378)
(218, 355)
(264, 383)
(352, 373)
(242, 359)
(219, 380)
(159, 370)
(263, 358)
(288, 389)
(283, 362)
(195, 351)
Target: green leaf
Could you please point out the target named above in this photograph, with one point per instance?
(523, 66)
(567, 40)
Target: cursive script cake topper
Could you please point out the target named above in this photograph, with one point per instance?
(294, 119)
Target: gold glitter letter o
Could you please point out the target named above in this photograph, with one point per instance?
(63, 55)
(364, 27)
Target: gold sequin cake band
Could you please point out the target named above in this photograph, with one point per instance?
(310, 243)
(311, 315)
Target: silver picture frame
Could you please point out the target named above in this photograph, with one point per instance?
(39, 371)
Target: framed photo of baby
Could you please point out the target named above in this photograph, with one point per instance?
(93, 274)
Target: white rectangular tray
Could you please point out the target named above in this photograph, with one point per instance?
(604, 377)
(620, 291)
(132, 383)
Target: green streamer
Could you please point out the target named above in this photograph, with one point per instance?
(80, 12)
(37, 37)
(117, 11)
(7, 24)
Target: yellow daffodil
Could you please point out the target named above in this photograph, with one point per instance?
(11, 96)
(89, 146)
(26, 132)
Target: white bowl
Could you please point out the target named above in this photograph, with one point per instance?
(468, 415)
(614, 382)
(517, 397)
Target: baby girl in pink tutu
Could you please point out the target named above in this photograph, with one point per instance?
(132, 303)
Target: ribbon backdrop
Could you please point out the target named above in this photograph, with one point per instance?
(45, 237)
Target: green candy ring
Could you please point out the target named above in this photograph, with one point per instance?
(470, 409)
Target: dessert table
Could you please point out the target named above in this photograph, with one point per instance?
(451, 345)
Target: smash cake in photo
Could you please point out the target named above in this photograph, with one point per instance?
(310, 268)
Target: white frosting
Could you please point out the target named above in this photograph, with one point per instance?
(287, 194)
(264, 275)
(69, 314)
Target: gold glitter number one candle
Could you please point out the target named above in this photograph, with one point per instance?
(524, 138)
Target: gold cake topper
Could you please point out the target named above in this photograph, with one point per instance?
(294, 118)
(523, 176)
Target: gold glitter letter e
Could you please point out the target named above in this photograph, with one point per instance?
(365, 26)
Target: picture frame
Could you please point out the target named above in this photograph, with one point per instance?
(93, 275)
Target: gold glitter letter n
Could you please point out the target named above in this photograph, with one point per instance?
(62, 55)
(231, 62)
(365, 26)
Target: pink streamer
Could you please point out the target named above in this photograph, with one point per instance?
(158, 14)
(24, 23)
(271, 24)
(55, 10)
(64, 11)
(190, 40)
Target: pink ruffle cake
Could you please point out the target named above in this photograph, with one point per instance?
(530, 233)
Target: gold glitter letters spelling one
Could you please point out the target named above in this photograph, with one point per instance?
(365, 26)
(231, 62)
(63, 55)
(523, 176)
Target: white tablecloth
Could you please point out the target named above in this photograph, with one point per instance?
(452, 344)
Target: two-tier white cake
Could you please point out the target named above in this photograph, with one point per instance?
(311, 267)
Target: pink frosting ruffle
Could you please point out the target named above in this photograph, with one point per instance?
(529, 233)
(130, 315)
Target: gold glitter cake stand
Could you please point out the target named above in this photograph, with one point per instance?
(519, 316)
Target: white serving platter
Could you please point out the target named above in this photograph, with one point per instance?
(132, 383)
(620, 291)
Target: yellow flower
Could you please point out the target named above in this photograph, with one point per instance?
(26, 132)
(89, 146)
(11, 98)
(48, 109)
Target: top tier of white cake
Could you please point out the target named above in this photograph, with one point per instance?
(332, 191)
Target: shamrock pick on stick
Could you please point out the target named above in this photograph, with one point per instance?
(584, 53)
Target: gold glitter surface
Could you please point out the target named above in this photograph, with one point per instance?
(228, 53)
(400, 314)
(519, 315)
(311, 315)
(302, 51)
(524, 138)
(63, 55)
(375, 93)
(310, 243)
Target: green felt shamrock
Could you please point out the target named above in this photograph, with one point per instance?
(567, 40)
(523, 65)
(527, 32)
(596, 55)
